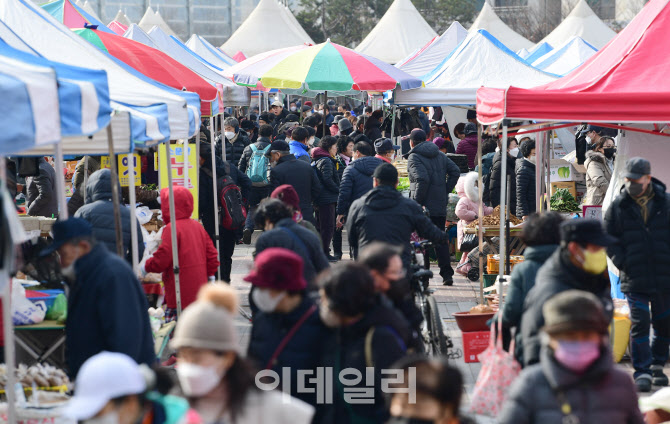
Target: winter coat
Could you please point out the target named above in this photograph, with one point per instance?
(598, 176)
(77, 199)
(326, 170)
(235, 147)
(521, 281)
(383, 208)
(557, 275)
(348, 350)
(525, 188)
(341, 165)
(41, 192)
(302, 177)
(198, 258)
(300, 151)
(496, 179)
(643, 250)
(107, 311)
(603, 394)
(245, 160)
(289, 235)
(432, 176)
(468, 147)
(467, 208)
(99, 212)
(356, 181)
(487, 163)
(302, 352)
(373, 130)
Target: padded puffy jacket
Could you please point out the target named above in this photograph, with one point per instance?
(356, 181)
(525, 188)
(432, 176)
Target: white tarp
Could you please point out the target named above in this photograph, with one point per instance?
(566, 58)
(523, 53)
(136, 33)
(208, 52)
(121, 18)
(421, 62)
(584, 23)
(57, 42)
(480, 61)
(489, 21)
(267, 28)
(398, 33)
(152, 19)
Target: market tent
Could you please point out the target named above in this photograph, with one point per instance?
(295, 24)
(239, 56)
(56, 42)
(584, 23)
(489, 21)
(470, 66)
(538, 51)
(136, 33)
(88, 8)
(152, 19)
(117, 27)
(427, 58)
(72, 15)
(626, 81)
(208, 52)
(398, 33)
(266, 28)
(523, 53)
(121, 18)
(567, 57)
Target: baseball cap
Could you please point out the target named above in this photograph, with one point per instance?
(278, 146)
(103, 377)
(277, 268)
(386, 173)
(637, 167)
(470, 128)
(66, 230)
(277, 103)
(585, 231)
(383, 145)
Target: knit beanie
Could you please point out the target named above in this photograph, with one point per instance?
(208, 322)
(574, 310)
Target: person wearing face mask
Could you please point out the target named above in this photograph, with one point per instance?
(286, 332)
(107, 309)
(298, 144)
(638, 218)
(576, 380)
(468, 144)
(218, 382)
(599, 171)
(325, 165)
(495, 179)
(525, 180)
(235, 139)
(439, 388)
(367, 335)
(579, 264)
(386, 150)
(292, 107)
(112, 389)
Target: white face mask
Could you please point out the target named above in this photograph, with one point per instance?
(311, 141)
(588, 139)
(196, 380)
(329, 318)
(108, 418)
(514, 152)
(69, 272)
(293, 108)
(531, 159)
(229, 135)
(264, 300)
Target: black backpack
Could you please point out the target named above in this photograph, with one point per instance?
(233, 212)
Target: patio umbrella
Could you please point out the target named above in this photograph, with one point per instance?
(71, 15)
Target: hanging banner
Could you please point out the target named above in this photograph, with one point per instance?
(123, 170)
(177, 159)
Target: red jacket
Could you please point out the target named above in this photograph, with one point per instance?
(198, 258)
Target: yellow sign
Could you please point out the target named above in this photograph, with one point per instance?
(177, 159)
(124, 171)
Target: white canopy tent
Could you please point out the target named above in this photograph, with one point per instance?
(267, 28)
(566, 58)
(523, 53)
(480, 60)
(121, 18)
(136, 33)
(208, 52)
(152, 19)
(584, 23)
(424, 60)
(489, 21)
(88, 9)
(398, 33)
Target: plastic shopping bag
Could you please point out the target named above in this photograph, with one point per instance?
(499, 369)
(25, 312)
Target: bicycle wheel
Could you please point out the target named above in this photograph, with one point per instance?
(438, 341)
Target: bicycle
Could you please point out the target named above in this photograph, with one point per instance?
(435, 341)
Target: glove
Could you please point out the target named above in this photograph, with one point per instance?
(211, 278)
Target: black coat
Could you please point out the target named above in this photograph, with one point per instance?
(41, 192)
(383, 214)
(245, 160)
(495, 182)
(432, 176)
(557, 275)
(326, 170)
(107, 311)
(304, 350)
(643, 250)
(356, 181)
(372, 130)
(289, 235)
(99, 212)
(302, 177)
(235, 149)
(525, 188)
(603, 394)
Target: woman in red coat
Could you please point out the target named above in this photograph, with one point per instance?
(198, 259)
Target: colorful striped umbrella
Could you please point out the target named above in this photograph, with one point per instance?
(324, 67)
(72, 16)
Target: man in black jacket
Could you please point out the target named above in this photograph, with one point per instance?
(357, 178)
(639, 218)
(579, 264)
(235, 139)
(41, 191)
(286, 169)
(383, 214)
(432, 176)
(259, 189)
(525, 180)
(495, 179)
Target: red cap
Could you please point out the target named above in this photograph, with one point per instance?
(277, 268)
(287, 194)
(308, 103)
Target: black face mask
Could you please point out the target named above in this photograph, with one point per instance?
(609, 152)
(405, 420)
(398, 290)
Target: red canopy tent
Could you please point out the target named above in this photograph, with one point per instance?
(626, 81)
(117, 27)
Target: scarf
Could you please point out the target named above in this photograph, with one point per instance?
(346, 159)
(644, 203)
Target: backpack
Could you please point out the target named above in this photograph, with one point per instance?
(233, 212)
(258, 165)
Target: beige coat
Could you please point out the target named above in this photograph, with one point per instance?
(598, 176)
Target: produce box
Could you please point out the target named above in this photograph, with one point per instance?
(474, 343)
(570, 185)
(493, 263)
(562, 170)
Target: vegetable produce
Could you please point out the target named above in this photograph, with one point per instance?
(564, 172)
(493, 220)
(563, 201)
(42, 375)
(403, 184)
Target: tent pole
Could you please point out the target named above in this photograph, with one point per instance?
(60, 181)
(547, 170)
(539, 163)
(480, 214)
(134, 239)
(83, 187)
(197, 160)
(173, 232)
(185, 163)
(115, 193)
(325, 104)
(10, 352)
(216, 205)
(392, 124)
(503, 207)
